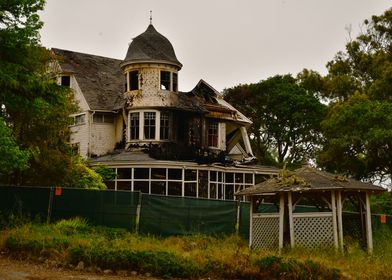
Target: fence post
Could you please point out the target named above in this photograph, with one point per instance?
(138, 209)
(50, 205)
(237, 223)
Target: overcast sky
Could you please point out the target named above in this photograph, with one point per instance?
(224, 42)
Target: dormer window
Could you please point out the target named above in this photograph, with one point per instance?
(65, 81)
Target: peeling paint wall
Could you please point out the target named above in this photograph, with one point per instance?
(102, 140)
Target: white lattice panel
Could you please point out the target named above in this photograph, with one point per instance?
(265, 232)
(313, 231)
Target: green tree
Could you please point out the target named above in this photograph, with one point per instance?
(286, 118)
(358, 127)
(12, 158)
(32, 104)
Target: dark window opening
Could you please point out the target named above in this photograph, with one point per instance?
(165, 80)
(175, 174)
(158, 187)
(141, 173)
(134, 80)
(175, 188)
(125, 83)
(66, 81)
(164, 129)
(175, 82)
(190, 189)
(149, 125)
(141, 186)
(134, 125)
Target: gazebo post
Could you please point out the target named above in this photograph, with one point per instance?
(281, 221)
(369, 236)
(340, 220)
(291, 222)
(334, 225)
(251, 221)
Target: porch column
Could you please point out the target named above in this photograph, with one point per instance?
(281, 221)
(291, 221)
(369, 236)
(334, 224)
(340, 219)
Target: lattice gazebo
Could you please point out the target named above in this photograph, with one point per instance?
(305, 208)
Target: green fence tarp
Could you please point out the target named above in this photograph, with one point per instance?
(244, 220)
(163, 215)
(106, 208)
(30, 201)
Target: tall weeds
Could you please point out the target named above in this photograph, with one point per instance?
(226, 257)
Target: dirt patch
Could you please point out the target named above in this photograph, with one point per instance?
(11, 269)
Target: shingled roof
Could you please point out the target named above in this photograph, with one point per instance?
(308, 179)
(151, 46)
(100, 78)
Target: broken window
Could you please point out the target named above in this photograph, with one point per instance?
(213, 134)
(103, 118)
(133, 80)
(165, 80)
(66, 81)
(164, 126)
(149, 125)
(134, 126)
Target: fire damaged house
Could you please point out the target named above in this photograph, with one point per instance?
(133, 118)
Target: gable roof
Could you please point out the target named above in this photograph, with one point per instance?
(308, 179)
(100, 78)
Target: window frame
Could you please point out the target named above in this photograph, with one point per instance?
(210, 129)
(142, 126)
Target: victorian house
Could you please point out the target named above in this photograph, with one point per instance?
(159, 140)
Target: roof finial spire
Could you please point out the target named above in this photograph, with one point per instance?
(150, 17)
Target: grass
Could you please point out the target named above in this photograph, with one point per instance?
(226, 257)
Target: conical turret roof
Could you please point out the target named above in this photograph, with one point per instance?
(151, 46)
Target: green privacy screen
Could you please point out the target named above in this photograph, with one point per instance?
(32, 201)
(165, 215)
(244, 224)
(106, 208)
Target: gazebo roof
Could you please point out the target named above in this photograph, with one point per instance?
(308, 179)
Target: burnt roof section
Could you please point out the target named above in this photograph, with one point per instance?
(151, 46)
(100, 78)
(308, 179)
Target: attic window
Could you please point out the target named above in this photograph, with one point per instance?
(65, 81)
(133, 80)
(165, 80)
